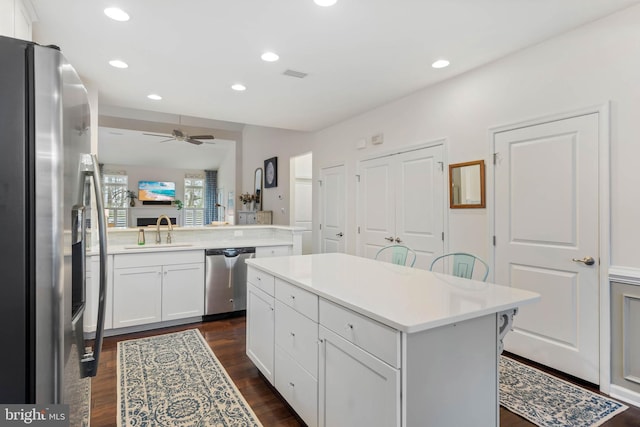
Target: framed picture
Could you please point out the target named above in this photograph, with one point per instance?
(271, 172)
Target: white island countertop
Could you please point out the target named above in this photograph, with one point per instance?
(407, 299)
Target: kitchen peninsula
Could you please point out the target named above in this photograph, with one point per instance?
(353, 341)
(157, 285)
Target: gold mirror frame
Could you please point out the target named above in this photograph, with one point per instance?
(467, 179)
(257, 185)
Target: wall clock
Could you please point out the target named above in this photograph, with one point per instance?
(271, 172)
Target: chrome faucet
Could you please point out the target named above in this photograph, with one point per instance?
(158, 239)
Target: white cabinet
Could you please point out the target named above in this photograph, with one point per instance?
(355, 387)
(16, 17)
(267, 251)
(359, 375)
(93, 290)
(260, 330)
(296, 350)
(182, 291)
(137, 296)
(156, 287)
(247, 217)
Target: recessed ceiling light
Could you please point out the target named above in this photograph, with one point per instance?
(440, 63)
(116, 14)
(325, 3)
(270, 57)
(239, 87)
(154, 96)
(118, 63)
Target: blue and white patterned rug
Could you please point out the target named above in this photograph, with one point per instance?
(548, 401)
(176, 380)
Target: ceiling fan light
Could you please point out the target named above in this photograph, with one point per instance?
(154, 97)
(116, 14)
(270, 57)
(239, 87)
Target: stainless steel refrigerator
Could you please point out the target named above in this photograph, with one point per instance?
(47, 175)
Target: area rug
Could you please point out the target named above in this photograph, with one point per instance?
(176, 380)
(547, 401)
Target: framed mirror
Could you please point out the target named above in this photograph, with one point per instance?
(466, 185)
(257, 185)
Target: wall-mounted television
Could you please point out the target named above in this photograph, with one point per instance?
(156, 191)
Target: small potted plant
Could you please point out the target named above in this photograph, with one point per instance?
(132, 198)
(178, 204)
(247, 200)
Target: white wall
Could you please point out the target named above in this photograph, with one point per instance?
(261, 143)
(585, 67)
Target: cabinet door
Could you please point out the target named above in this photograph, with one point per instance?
(260, 330)
(93, 285)
(137, 296)
(182, 291)
(355, 388)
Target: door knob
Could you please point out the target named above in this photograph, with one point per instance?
(586, 260)
(389, 239)
(340, 234)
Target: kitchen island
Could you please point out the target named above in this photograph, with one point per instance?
(353, 341)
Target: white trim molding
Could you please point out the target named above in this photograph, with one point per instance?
(626, 275)
(624, 394)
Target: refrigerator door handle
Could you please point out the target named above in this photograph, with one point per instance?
(90, 168)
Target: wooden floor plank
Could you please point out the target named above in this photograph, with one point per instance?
(226, 337)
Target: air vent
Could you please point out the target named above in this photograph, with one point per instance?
(297, 74)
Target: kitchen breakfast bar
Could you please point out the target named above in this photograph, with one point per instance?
(350, 341)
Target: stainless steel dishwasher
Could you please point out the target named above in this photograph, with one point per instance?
(226, 280)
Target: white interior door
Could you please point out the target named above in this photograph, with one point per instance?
(420, 203)
(332, 205)
(401, 200)
(546, 218)
(377, 205)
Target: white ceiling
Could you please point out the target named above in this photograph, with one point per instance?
(358, 54)
(132, 147)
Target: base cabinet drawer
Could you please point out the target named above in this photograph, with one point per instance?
(298, 387)
(376, 338)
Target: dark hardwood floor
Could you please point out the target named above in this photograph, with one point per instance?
(227, 339)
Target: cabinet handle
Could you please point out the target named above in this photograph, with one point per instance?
(389, 239)
(293, 297)
(259, 278)
(398, 240)
(292, 334)
(350, 325)
(271, 308)
(291, 384)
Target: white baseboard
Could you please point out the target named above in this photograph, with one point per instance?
(629, 396)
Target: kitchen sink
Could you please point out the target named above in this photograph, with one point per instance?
(159, 246)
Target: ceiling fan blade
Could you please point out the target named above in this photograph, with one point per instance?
(209, 142)
(155, 134)
(193, 141)
(202, 137)
(170, 139)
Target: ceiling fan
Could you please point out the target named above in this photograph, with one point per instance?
(178, 135)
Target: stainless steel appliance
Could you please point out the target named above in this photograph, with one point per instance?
(226, 280)
(46, 173)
